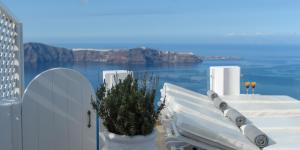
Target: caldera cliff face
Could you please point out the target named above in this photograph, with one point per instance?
(35, 53)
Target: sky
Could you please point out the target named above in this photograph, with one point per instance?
(159, 21)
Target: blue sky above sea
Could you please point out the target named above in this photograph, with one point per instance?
(259, 22)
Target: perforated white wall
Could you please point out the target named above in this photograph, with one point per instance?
(11, 57)
(11, 80)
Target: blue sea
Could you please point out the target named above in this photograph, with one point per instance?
(275, 68)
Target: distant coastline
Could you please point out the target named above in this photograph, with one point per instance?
(35, 53)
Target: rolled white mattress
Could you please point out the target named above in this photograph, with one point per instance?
(220, 104)
(235, 116)
(255, 135)
(212, 95)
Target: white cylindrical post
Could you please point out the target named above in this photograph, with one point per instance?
(225, 80)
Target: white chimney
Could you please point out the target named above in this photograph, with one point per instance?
(225, 80)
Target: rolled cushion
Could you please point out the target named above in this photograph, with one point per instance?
(212, 95)
(255, 135)
(220, 104)
(235, 117)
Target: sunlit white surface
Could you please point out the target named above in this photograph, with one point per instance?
(277, 116)
(11, 80)
(195, 118)
(55, 112)
(225, 80)
(112, 77)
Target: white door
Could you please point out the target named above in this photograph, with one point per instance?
(57, 112)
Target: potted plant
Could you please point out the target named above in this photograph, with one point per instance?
(128, 113)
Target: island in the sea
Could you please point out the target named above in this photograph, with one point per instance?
(36, 53)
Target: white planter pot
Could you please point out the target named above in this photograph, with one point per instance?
(120, 142)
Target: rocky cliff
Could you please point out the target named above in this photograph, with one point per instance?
(35, 53)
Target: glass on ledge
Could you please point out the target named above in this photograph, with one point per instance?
(253, 85)
(247, 84)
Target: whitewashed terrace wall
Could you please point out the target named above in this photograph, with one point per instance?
(11, 80)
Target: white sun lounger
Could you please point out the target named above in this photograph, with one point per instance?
(207, 132)
(277, 116)
(196, 122)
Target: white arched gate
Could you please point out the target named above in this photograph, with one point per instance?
(57, 114)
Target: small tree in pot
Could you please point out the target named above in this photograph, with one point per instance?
(128, 112)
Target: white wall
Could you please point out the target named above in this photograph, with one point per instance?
(110, 76)
(11, 80)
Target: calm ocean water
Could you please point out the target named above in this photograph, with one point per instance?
(275, 68)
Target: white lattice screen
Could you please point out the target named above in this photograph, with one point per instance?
(11, 59)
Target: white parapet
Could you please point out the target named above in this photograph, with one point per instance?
(112, 77)
(10, 125)
(11, 80)
(225, 80)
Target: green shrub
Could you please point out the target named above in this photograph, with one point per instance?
(128, 108)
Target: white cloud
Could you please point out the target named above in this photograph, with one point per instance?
(248, 34)
(132, 13)
(262, 34)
